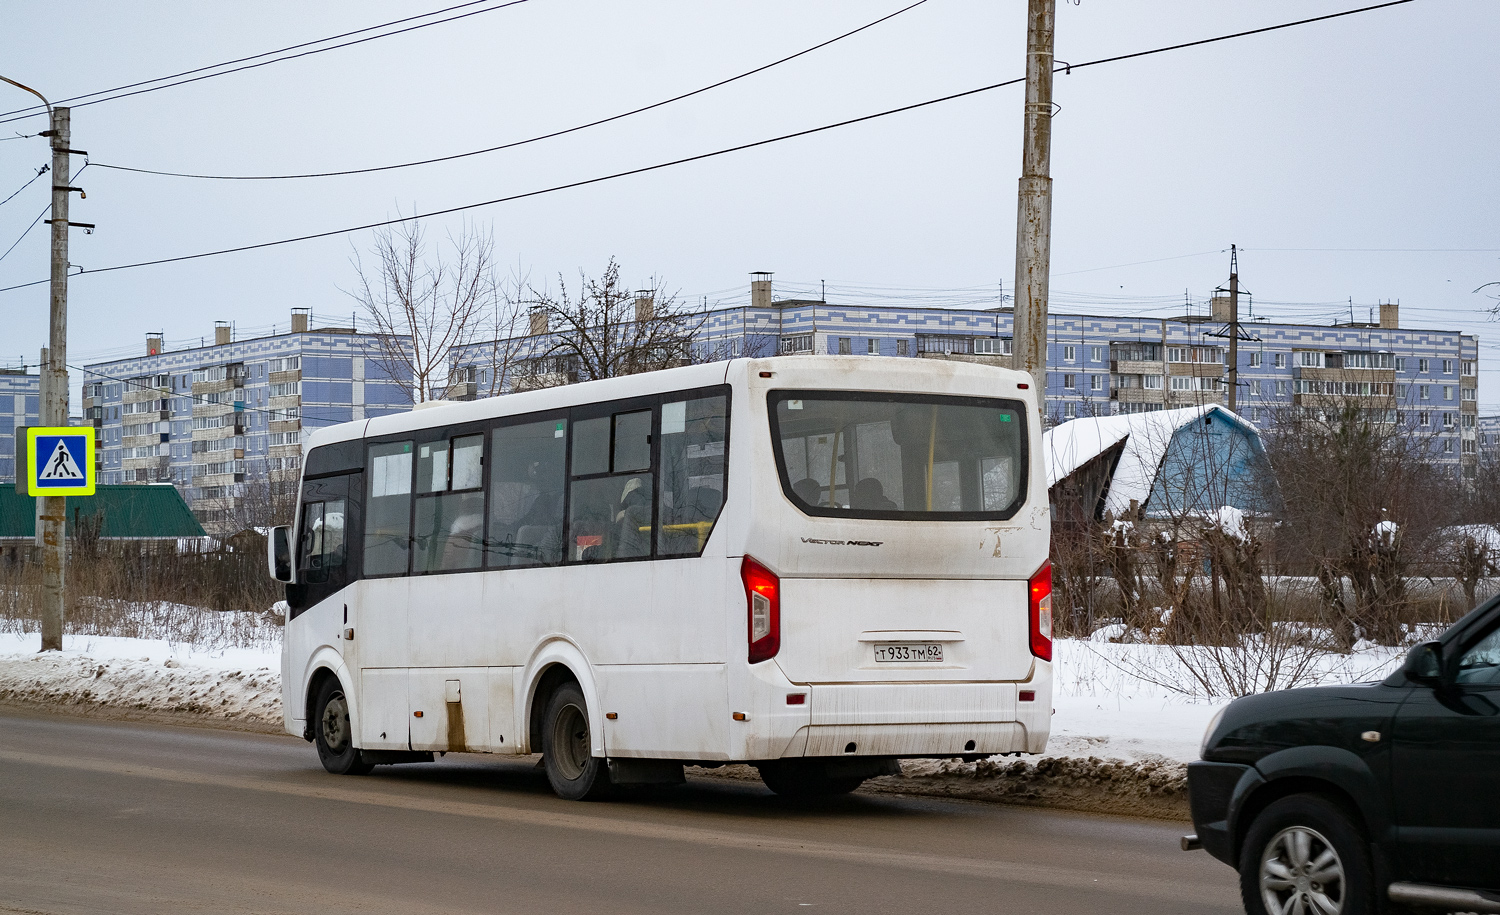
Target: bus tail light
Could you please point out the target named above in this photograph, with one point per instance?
(1040, 601)
(763, 604)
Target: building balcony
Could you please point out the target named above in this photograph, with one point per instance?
(1137, 395)
(1137, 367)
(1196, 369)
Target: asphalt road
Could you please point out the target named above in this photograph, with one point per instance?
(129, 818)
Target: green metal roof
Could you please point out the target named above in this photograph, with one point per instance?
(130, 510)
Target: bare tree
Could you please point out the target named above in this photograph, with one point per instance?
(606, 330)
(1362, 498)
(425, 305)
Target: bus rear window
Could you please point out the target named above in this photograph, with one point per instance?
(899, 456)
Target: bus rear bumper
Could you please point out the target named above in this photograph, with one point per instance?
(924, 719)
(985, 738)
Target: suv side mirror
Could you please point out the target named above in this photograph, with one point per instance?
(1424, 664)
(279, 553)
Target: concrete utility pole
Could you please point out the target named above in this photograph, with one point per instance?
(1234, 327)
(53, 516)
(1034, 202)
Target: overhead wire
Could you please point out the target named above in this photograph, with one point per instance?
(35, 110)
(39, 173)
(45, 210)
(713, 154)
(536, 139)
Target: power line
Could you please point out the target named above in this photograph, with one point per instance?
(34, 222)
(545, 136)
(702, 156)
(23, 113)
(39, 172)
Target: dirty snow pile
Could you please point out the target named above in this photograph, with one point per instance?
(129, 677)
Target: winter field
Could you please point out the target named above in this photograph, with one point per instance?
(1127, 716)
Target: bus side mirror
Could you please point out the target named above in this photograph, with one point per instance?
(1424, 664)
(279, 553)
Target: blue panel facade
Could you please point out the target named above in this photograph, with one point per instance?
(213, 419)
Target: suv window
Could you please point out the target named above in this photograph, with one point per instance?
(1481, 663)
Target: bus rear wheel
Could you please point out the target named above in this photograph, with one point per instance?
(567, 748)
(803, 778)
(333, 734)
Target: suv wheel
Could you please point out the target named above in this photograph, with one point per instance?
(1304, 854)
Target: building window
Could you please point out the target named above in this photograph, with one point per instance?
(1070, 353)
(1070, 410)
(992, 346)
(1096, 382)
(1096, 354)
(1310, 360)
(903, 348)
(1255, 360)
(1280, 360)
(1449, 420)
(1135, 352)
(1400, 363)
(1447, 446)
(1255, 414)
(1068, 381)
(1468, 393)
(1424, 366)
(1447, 366)
(1195, 354)
(1468, 367)
(1447, 392)
(846, 346)
(1151, 382)
(1424, 418)
(1424, 392)
(1469, 446)
(796, 343)
(872, 346)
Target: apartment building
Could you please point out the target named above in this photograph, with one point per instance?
(221, 422)
(20, 405)
(1426, 379)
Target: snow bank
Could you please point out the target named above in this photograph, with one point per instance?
(144, 678)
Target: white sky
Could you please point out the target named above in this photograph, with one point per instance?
(1372, 131)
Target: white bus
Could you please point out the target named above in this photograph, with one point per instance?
(817, 565)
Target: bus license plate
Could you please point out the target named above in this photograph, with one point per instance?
(907, 651)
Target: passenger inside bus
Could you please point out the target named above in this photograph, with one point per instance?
(869, 494)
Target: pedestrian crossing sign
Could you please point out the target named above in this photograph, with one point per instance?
(60, 461)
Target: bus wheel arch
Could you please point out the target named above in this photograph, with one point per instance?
(324, 665)
(554, 665)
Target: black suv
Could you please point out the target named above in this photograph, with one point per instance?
(1373, 797)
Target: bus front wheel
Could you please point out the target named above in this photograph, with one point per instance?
(333, 733)
(567, 747)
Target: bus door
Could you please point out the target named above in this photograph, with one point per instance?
(329, 523)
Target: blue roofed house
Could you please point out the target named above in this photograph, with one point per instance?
(1168, 465)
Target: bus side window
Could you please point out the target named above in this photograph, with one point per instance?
(693, 464)
(526, 494)
(388, 509)
(450, 505)
(609, 517)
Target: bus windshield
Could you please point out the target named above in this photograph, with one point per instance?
(896, 456)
